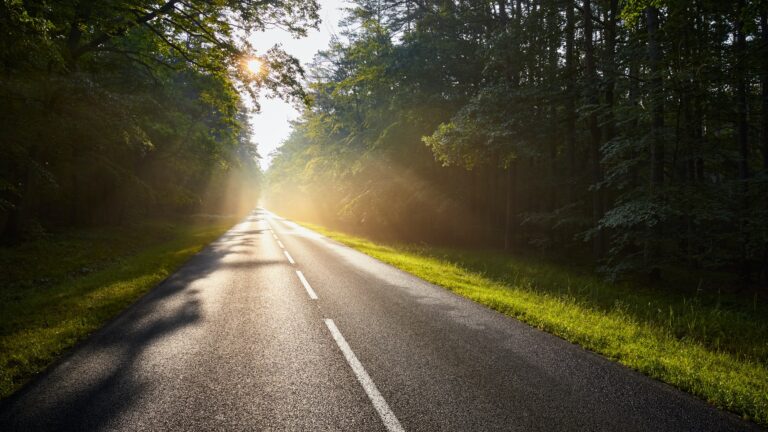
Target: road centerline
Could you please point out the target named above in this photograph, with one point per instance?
(282, 246)
(387, 416)
(290, 258)
(307, 287)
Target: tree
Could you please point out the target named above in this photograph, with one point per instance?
(617, 130)
(111, 110)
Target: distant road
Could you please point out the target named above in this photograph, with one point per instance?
(274, 327)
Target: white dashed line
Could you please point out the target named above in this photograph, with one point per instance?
(280, 244)
(304, 282)
(290, 259)
(386, 414)
(273, 235)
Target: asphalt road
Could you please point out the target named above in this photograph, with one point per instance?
(238, 340)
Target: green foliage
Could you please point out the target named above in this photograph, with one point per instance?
(643, 146)
(633, 9)
(113, 110)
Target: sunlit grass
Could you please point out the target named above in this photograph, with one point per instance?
(57, 290)
(713, 347)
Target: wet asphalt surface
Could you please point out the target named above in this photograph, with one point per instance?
(233, 341)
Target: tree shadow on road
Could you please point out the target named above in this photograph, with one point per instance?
(100, 380)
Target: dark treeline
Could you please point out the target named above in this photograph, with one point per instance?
(116, 110)
(635, 132)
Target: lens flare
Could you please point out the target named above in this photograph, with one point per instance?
(254, 66)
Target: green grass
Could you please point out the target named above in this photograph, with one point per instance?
(57, 290)
(713, 346)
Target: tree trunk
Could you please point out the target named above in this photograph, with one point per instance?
(764, 121)
(503, 16)
(741, 94)
(492, 194)
(657, 129)
(594, 129)
(634, 102)
(764, 83)
(510, 211)
(570, 100)
(657, 102)
(554, 134)
(610, 68)
(742, 136)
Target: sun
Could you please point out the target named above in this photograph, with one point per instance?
(254, 66)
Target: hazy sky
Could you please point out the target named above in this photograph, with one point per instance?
(271, 126)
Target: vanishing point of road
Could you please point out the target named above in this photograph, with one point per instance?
(274, 327)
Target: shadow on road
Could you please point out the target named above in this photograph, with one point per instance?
(106, 375)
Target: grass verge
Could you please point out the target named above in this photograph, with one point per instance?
(57, 290)
(708, 344)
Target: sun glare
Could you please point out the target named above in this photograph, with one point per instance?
(254, 66)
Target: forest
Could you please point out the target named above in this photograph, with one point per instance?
(492, 199)
(115, 111)
(632, 135)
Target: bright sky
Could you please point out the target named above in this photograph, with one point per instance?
(271, 126)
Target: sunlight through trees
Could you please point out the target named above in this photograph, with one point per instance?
(632, 132)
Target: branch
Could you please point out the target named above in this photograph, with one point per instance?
(626, 75)
(594, 18)
(177, 48)
(205, 35)
(136, 55)
(198, 24)
(105, 36)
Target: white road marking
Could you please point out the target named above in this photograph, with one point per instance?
(281, 244)
(290, 259)
(304, 282)
(273, 235)
(386, 414)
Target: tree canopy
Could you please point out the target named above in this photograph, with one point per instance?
(635, 131)
(113, 110)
